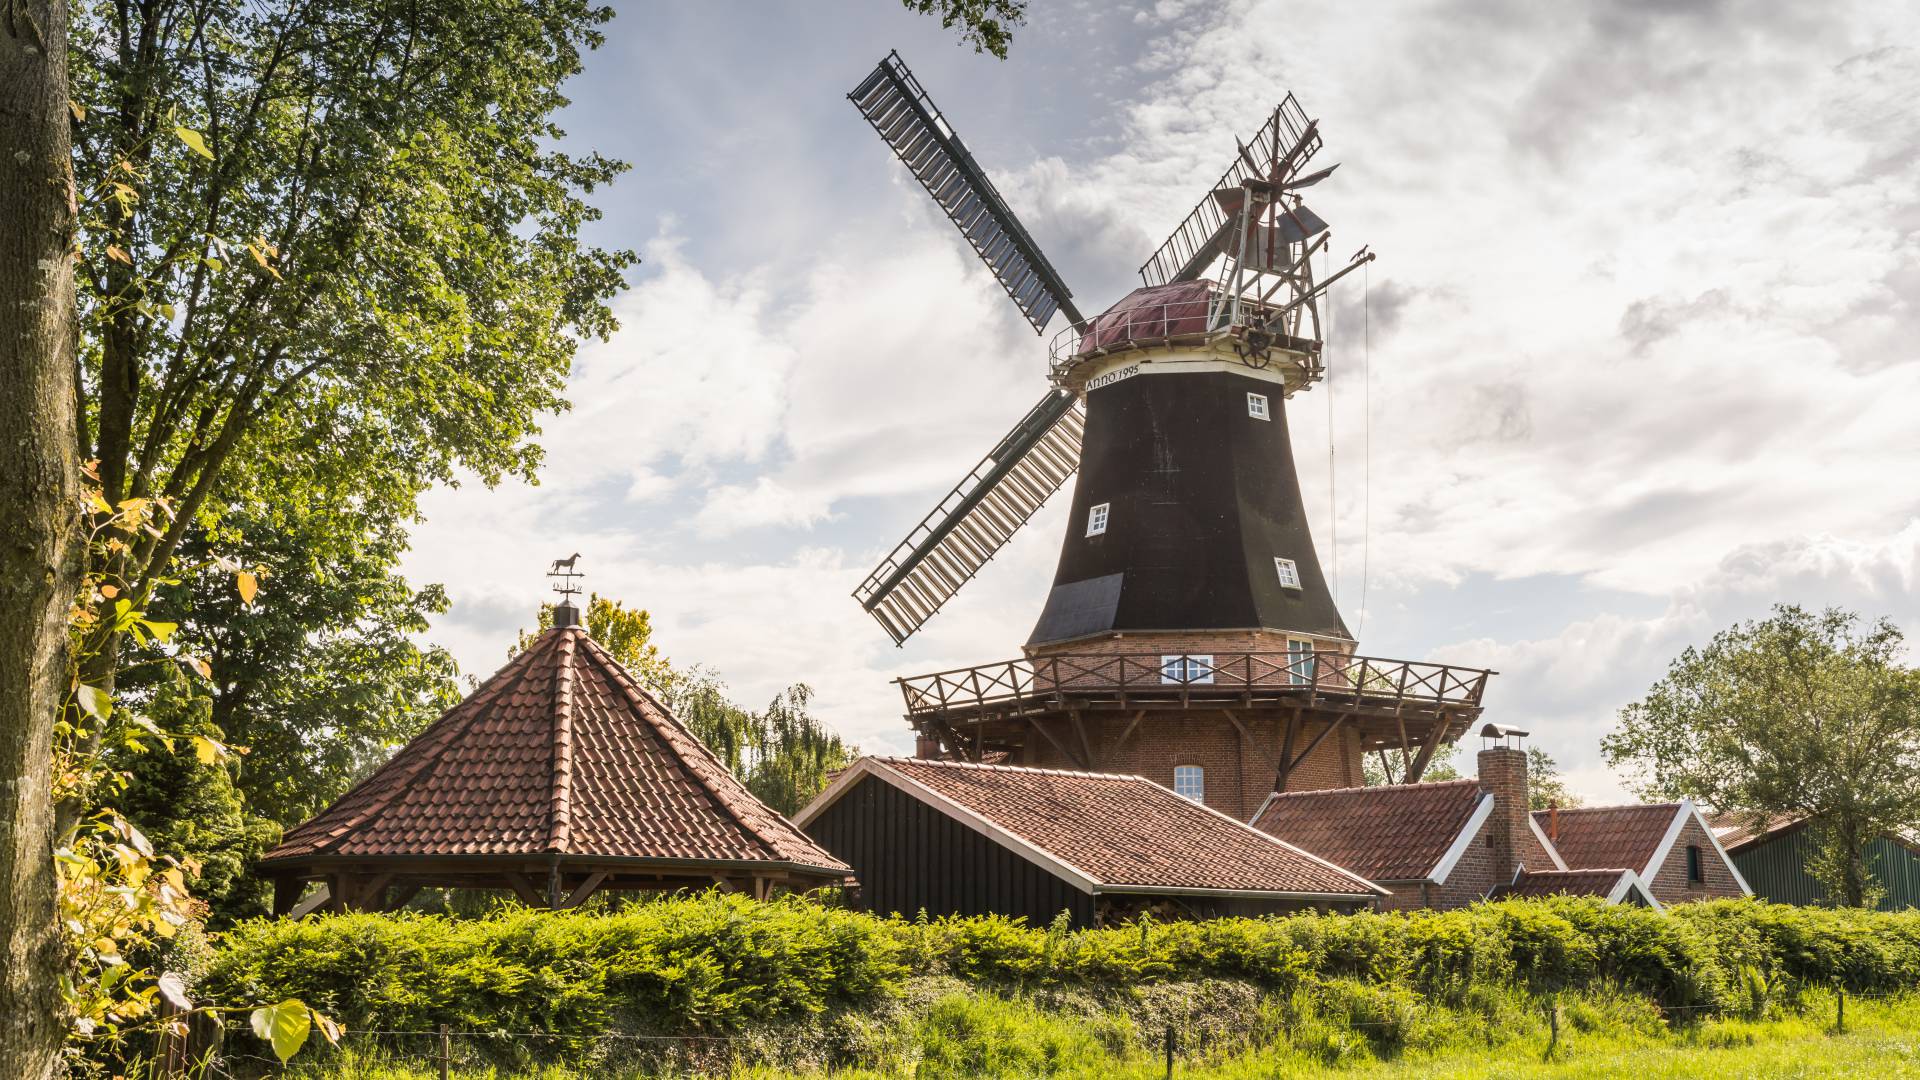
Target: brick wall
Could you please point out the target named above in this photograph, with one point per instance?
(1670, 884)
(1503, 773)
(1239, 774)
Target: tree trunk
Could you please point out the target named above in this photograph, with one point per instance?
(39, 503)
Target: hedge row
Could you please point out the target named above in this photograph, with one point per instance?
(721, 962)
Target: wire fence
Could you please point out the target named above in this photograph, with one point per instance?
(446, 1049)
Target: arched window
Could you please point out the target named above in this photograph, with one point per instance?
(1190, 782)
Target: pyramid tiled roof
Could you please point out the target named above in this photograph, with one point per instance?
(561, 752)
(1396, 832)
(1605, 836)
(1122, 831)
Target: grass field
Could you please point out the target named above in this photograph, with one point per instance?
(1010, 1038)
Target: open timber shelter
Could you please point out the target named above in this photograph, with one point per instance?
(558, 777)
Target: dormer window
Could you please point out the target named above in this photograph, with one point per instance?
(1097, 519)
(1289, 573)
(1257, 407)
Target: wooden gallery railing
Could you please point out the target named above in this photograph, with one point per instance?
(1017, 685)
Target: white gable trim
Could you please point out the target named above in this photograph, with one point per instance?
(1552, 852)
(1724, 857)
(1481, 812)
(1689, 811)
(1632, 882)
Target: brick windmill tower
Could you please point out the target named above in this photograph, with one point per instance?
(1189, 635)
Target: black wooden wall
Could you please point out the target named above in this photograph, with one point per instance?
(910, 856)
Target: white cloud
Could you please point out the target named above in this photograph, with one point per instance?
(1643, 321)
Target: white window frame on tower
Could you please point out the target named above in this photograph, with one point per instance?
(1097, 518)
(1187, 669)
(1190, 782)
(1289, 572)
(1257, 407)
(1300, 661)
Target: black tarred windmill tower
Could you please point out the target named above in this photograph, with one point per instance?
(1189, 635)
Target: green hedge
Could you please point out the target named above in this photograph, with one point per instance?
(717, 963)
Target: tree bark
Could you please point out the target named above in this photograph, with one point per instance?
(40, 544)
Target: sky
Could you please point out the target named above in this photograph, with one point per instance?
(1636, 362)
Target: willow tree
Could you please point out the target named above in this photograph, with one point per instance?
(317, 231)
(1810, 715)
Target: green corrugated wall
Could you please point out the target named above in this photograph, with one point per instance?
(1777, 871)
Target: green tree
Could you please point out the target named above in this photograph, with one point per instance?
(987, 25)
(186, 802)
(1811, 715)
(330, 234)
(1384, 767)
(627, 635)
(321, 677)
(783, 754)
(1545, 786)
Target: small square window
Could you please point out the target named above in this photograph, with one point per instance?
(1097, 519)
(1185, 670)
(1288, 571)
(1190, 782)
(1257, 407)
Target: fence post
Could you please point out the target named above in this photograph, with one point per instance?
(1553, 1026)
(1170, 1047)
(446, 1054)
(1840, 1009)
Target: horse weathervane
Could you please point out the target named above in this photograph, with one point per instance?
(568, 585)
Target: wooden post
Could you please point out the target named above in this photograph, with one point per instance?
(1553, 1026)
(1840, 1009)
(1170, 1046)
(446, 1054)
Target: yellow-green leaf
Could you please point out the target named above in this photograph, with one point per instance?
(247, 583)
(95, 702)
(208, 750)
(193, 138)
(284, 1025)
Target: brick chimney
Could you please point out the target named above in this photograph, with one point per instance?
(1503, 773)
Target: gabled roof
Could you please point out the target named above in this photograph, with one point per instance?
(1107, 833)
(1611, 885)
(1637, 836)
(1398, 832)
(1604, 836)
(1736, 830)
(559, 753)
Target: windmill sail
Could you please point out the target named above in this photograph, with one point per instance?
(894, 103)
(1282, 146)
(976, 518)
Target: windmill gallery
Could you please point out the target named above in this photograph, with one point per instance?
(1186, 726)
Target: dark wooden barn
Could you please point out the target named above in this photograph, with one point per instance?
(1774, 856)
(959, 838)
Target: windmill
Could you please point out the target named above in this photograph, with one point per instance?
(1234, 283)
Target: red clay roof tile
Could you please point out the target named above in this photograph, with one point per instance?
(1603, 836)
(1127, 831)
(1396, 832)
(560, 752)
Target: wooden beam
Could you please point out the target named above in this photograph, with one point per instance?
(1286, 752)
(1062, 747)
(1118, 744)
(370, 893)
(1421, 759)
(1247, 738)
(1314, 743)
(523, 888)
(583, 890)
(398, 898)
(1406, 749)
(1086, 748)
